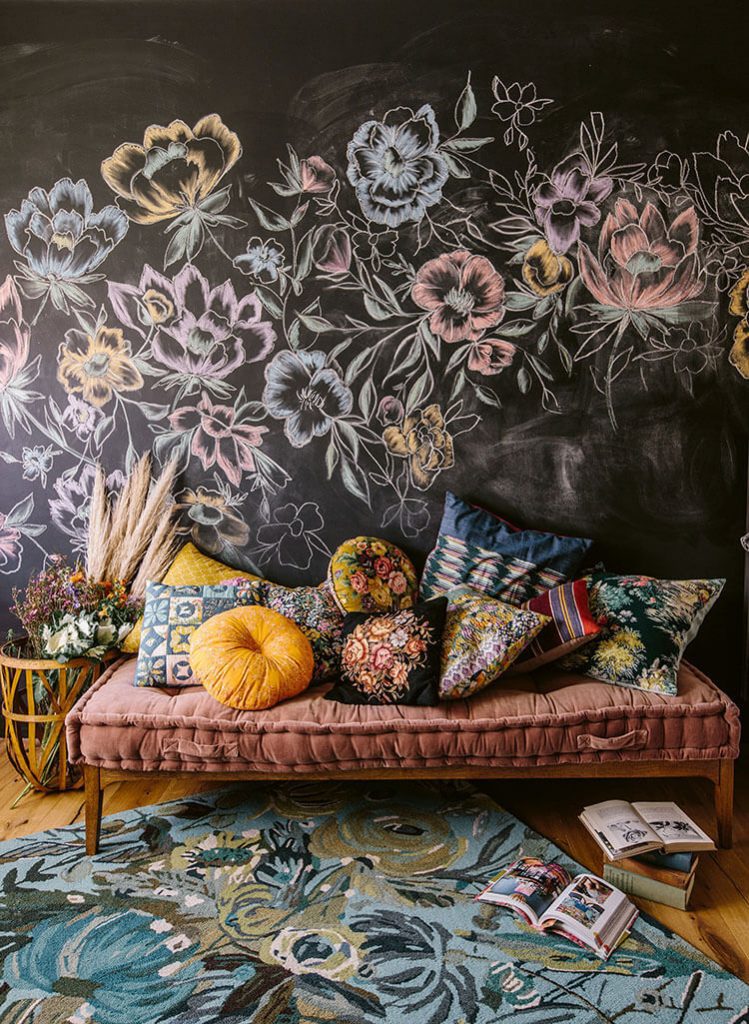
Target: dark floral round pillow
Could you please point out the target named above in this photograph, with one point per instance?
(371, 575)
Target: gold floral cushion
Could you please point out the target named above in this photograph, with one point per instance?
(189, 568)
(371, 575)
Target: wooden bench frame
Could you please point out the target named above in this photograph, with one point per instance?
(719, 772)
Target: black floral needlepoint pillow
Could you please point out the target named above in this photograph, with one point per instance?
(392, 658)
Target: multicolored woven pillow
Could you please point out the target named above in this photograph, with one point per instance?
(316, 613)
(392, 658)
(367, 574)
(190, 567)
(482, 638)
(646, 625)
(171, 616)
(486, 553)
(572, 625)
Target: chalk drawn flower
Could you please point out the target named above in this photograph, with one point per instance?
(262, 260)
(464, 294)
(97, 366)
(395, 166)
(211, 519)
(149, 304)
(289, 535)
(517, 106)
(316, 176)
(16, 373)
(643, 263)
(218, 438)
(375, 246)
(332, 249)
(38, 461)
(491, 356)
(173, 171)
(11, 547)
(308, 395)
(423, 439)
(211, 331)
(62, 241)
(544, 271)
(739, 306)
(80, 418)
(568, 200)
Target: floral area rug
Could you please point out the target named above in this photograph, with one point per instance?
(316, 904)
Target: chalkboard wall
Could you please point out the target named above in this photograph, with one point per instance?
(337, 257)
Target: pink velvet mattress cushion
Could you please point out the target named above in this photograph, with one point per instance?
(542, 718)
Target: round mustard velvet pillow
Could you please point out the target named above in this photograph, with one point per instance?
(251, 658)
(367, 574)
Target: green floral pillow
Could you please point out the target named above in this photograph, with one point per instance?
(646, 625)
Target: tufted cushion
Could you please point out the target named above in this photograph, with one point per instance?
(542, 718)
(190, 567)
(251, 658)
(371, 575)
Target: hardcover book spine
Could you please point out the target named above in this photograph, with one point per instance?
(647, 888)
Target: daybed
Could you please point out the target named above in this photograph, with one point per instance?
(546, 724)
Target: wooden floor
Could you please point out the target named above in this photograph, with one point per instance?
(717, 922)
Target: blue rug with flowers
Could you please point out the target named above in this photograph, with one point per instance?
(310, 904)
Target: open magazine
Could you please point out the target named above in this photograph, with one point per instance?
(585, 909)
(624, 829)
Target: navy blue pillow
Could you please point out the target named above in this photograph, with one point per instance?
(482, 551)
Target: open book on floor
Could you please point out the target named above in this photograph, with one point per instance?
(585, 909)
(624, 829)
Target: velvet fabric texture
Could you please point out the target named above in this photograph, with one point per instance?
(316, 613)
(487, 553)
(541, 718)
(392, 658)
(251, 658)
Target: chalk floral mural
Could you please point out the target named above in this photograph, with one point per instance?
(373, 306)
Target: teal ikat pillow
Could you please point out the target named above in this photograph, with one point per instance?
(171, 616)
(646, 625)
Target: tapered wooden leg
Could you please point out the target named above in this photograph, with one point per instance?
(92, 782)
(724, 803)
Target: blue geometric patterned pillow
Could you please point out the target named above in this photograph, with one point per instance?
(171, 616)
(486, 553)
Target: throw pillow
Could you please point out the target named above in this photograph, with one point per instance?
(392, 658)
(481, 640)
(316, 613)
(170, 617)
(572, 626)
(646, 625)
(488, 554)
(371, 575)
(251, 658)
(192, 567)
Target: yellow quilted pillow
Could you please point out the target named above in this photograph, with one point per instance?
(251, 658)
(190, 568)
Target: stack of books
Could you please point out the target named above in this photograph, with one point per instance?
(666, 878)
(650, 849)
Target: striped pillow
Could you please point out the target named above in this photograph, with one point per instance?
(572, 626)
(480, 550)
